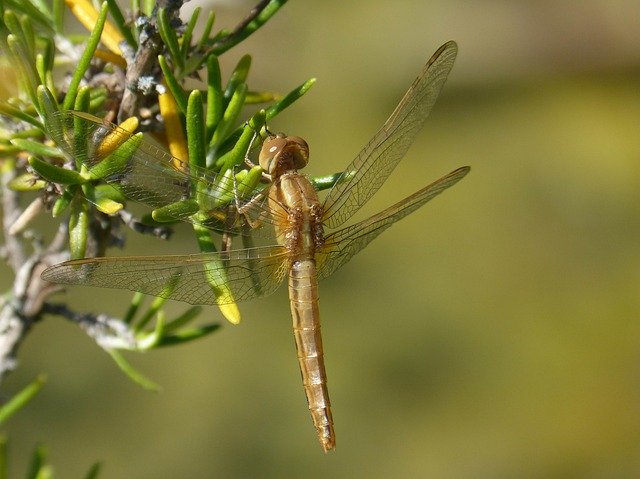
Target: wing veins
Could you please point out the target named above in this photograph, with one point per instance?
(371, 167)
(152, 176)
(247, 274)
(343, 244)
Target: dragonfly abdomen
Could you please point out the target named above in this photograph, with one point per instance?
(303, 293)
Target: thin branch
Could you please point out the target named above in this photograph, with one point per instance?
(244, 28)
(162, 232)
(13, 324)
(253, 14)
(19, 311)
(21, 307)
(108, 332)
(27, 216)
(59, 242)
(11, 211)
(145, 60)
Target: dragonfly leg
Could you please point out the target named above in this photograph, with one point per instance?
(227, 238)
(247, 160)
(244, 210)
(250, 164)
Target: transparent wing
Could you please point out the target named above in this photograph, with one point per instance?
(373, 165)
(205, 278)
(151, 176)
(340, 246)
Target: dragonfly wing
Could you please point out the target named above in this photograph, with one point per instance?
(150, 175)
(206, 278)
(342, 245)
(373, 165)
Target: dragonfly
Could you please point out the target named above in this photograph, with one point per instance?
(310, 243)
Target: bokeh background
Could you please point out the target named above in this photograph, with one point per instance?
(493, 334)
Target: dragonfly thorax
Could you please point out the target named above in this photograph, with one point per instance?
(300, 230)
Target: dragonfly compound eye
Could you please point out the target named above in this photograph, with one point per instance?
(283, 153)
(270, 153)
(299, 150)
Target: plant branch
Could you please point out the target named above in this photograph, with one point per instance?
(108, 332)
(22, 306)
(162, 232)
(145, 60)
(10, 213)
(247, 26)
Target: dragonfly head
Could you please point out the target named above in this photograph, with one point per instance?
(281, 153)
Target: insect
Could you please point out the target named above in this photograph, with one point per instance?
(303, 251)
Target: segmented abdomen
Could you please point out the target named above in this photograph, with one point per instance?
(303, 293)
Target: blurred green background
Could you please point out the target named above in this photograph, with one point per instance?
(493, 334)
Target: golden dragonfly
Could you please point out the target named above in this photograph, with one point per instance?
(303, 251)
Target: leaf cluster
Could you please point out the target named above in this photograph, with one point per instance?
(131, 67)
(199, 124)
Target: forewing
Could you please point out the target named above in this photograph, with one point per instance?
(205, 278)
(152, 176)
(340, 246)
(373, 165)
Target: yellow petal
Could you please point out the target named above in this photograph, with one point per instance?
(111, 57)
(87, 15)
(108, 206)
(117, 137)
(231, 312)
(173, 129)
